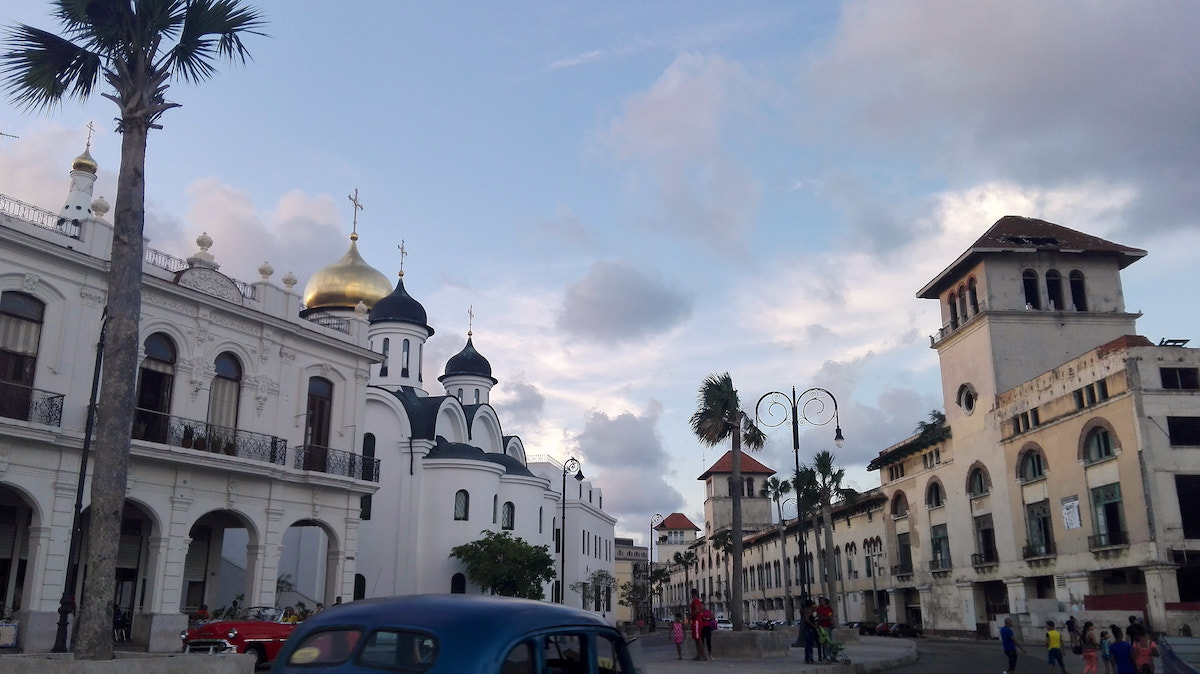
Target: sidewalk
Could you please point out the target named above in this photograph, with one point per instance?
(657, 656)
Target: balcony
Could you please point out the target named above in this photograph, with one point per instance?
(984, 559)
(165, 429)
(902, 569)
(320, 459)
(1038, 551)
(1110, 539)
(940, 564)
(30, 404)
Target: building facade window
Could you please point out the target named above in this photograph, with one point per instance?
(939, 539)
(934, 496)
(1033, 466)
(1108, 515)
(1078, 296)
(973, 296)
(978, 483)
(367, 473)
(405, 349)
(225, 394)
(1184, 431)
(462, 505)
(458, 584)
(967, 398)
(1098, 446)
(508, 516)
(318, 412)
(1039, 529)
(20, 334)
(1054, 290)
(952, 301)
(903, 554)
(1029, 281)
(383, 367)
(1182, 378)
(899, 506)
(985, 540)
(1187, 490)
(156, 382)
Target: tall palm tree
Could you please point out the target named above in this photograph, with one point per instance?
(828, 485)
(719, 417)
(808, 503)
(136, 46)
(776, 489)
(687, 560)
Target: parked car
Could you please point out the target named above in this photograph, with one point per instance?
(724, 624)
(866, 627)
(883, 629)
(259, 631)
(906, 630)
(435, 634)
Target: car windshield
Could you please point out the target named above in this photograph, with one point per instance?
(267, 613)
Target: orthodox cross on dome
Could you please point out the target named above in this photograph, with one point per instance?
(357, 207)
(403, 254)
(91, 129)
(470, 319)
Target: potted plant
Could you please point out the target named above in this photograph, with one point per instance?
(230, 448)
(189, 435)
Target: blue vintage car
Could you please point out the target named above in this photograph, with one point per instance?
(455, 633)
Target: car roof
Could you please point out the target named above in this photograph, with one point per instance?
(459, 621)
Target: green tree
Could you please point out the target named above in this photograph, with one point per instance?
(826, 480)
(596, 584)
(722, 542)
(688, 560)
(808, 504)
(660, 577)
(719, 417)
(507, 566)
(136, 46)
(776, 489)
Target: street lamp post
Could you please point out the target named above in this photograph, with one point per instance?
(571, 464)
(810, 407)
(655, 520)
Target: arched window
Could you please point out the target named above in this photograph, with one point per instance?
(977, 482)
(899, 505)
(1078, 296)
(225, 394)
(973, 296)
(420, 363)
(404, 353)
(156, 379)
(1054, 290)
(462, 505)
(966, 399)
(360, 587)
(383, 367)
(476, 396)
(540, 515)
(319, 412)
(508, 516)
(1098, 445)
(934, 496)
(1033, 466)
(495, 507)
(962, 303)
(953, 302)
(368, 451)
(459, 396)
(458, 584)
(1030, 281)
(20, 333)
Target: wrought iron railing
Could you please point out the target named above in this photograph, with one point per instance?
(940, 564)
(985, 558)
(329, 321)
(38, 216)
(337, 462)
(1108, 539)
(902, 569)
(1038, 550)
(201, 436)
(157, 258)
(30, 404)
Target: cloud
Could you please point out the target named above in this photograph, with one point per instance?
(615, 303)
(671, 141)
(522, 403)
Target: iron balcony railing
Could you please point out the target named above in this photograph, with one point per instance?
(165, 429)
(337, 462)
(940, 564)
(1037, 550)
(1108, 539)
(985, 558)
(38, 216)
(329, 321)
(25, 403)
(157, 258)
(902, 569)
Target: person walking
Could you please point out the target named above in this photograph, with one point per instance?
(1144, 651)
(694, 611)
(825, 620)
(1009, 643)
(677, 635)
(1091, 648)
(810, 632)
(1122, 653)
(1073, 631)
(1054, 647)
(1105, 655)
(708, 623)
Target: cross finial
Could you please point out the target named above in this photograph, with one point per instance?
(357, 207)
(91, 129)
(403, 254)
(470, 319)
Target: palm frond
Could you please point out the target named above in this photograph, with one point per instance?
(211, 29)
(43, 68)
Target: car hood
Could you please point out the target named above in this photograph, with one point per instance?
(220, 628)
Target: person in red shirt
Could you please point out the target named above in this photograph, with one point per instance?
(694, 612)
(824, 619)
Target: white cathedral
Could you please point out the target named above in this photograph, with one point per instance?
(279, 435)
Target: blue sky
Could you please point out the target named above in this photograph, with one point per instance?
(634, 195)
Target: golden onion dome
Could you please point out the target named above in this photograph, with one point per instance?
(84, 162)
(345, 283)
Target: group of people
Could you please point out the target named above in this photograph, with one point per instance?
(817, 622)
(701, 623)
(1129, 652)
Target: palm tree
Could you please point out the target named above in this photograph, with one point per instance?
(136, 46)
(808, 502)
(722, 542)
(687, 560)
(776, 489)
(720, 417)
(828, 485)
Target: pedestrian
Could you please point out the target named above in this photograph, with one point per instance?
(1010, 645)
(1073, 631)
(825, 620)
(810, 632)
(677, 635)
(337, 601)
(1144, 652)
(708, 623)
(695, 609)
(1122, 653)
(1091, 648)
(1105, 655)
(1054, 647)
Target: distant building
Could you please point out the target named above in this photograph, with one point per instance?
(630, 567)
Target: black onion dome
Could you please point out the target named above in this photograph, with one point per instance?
(468, 361)
(400, 307)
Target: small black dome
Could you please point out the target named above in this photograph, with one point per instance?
(468, 361)
(400, 307)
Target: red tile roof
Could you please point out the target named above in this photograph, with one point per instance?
(750, 466)
(676, 521)
(1014, 232)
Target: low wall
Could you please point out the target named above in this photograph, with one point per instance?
(129, 663)
(752, 644)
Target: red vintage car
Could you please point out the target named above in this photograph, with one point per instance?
(258, 631)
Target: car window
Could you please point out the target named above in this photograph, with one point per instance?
(327, 647)
(608, 655)
(399, 650)
(563, 654)
(519, 660)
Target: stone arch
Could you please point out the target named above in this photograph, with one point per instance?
(311, 548)
(985, 479)
(899, 504)
(935, 493)
(1091, 425)
(1029, 450)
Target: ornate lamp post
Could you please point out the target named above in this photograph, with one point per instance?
(655, 520)
(811, 408)
(571, 464)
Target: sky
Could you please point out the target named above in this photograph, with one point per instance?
(633, 195)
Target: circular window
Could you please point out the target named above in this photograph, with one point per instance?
(966, 398)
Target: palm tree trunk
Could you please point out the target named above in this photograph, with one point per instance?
(830, 564)
(788, 612)
(94, 639)
(735, 594)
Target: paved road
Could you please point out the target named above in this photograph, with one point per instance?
(969, 657)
